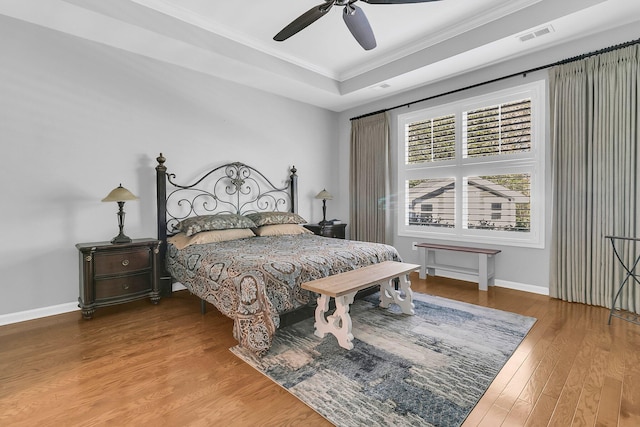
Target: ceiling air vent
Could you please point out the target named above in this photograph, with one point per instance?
(381, 86)
(536, 33)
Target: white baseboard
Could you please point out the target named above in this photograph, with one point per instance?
(501, 283)
(37, 313)
(22, 316)
(541, 290)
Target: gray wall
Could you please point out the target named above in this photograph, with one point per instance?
(519, 268)
(78, 118)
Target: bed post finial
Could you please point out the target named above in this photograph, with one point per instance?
(161, 161)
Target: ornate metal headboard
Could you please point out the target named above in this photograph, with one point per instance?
(229, 188)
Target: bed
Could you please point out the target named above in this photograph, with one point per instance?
(235, 240)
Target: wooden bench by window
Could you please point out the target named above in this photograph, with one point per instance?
(486, 266)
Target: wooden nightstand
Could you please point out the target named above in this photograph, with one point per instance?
(336, 231)
(117, 273)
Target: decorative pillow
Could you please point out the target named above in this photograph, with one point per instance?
(196, 224)
(181, 240)
(272, 218)
(280, 230)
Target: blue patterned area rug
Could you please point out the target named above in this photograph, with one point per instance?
(429, 369)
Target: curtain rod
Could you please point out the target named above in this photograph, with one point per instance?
(524, 73)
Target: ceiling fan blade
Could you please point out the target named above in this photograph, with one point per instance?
(358, 24)
(396, 1)
(304, 20)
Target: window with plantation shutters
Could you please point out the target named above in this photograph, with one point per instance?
(431, 140)
(474, 170)
(498, 129)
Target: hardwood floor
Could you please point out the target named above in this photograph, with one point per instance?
(139, 364)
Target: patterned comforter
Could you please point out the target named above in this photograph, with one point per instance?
(254, 280)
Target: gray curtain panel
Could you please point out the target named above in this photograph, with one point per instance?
(595, 122)
(369, 178)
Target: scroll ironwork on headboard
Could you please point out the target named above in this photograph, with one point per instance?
(231, 188)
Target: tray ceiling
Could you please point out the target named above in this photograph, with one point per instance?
(323, 65)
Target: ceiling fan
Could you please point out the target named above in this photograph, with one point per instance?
(353, 16)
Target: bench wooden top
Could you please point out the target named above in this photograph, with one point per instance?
(361, 278)
(459, 248)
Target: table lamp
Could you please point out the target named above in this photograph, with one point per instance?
(324, 195)
(120, 195)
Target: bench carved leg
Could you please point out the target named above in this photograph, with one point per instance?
(389, 295)
(338, 323)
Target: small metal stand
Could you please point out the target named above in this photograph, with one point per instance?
(623, 314)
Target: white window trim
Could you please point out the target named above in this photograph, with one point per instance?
(531, 162)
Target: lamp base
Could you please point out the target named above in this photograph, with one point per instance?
(121, 238)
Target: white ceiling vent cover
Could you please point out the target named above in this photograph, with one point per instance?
(381, 86)
(536, 33)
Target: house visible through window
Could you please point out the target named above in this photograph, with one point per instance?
(473, 170)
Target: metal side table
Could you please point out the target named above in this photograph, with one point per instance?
(631, 274)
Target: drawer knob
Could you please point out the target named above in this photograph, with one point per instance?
(125, 262)
(125, 286)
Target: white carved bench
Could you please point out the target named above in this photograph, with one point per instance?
(343, 287)
(486, 266)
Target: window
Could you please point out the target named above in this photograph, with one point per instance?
(438, 211)
(474, 170)
(496, 210)
(431, 140)
(498, 129)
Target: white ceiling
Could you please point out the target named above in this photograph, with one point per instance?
(323, 65)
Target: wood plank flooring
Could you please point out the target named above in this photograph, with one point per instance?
(167, 365)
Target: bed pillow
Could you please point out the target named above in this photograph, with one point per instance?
(280, 230)
(197, 224)
(181, 240)
(273, 218)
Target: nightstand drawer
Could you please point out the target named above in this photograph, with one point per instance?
(107, 263)
(119, 286)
